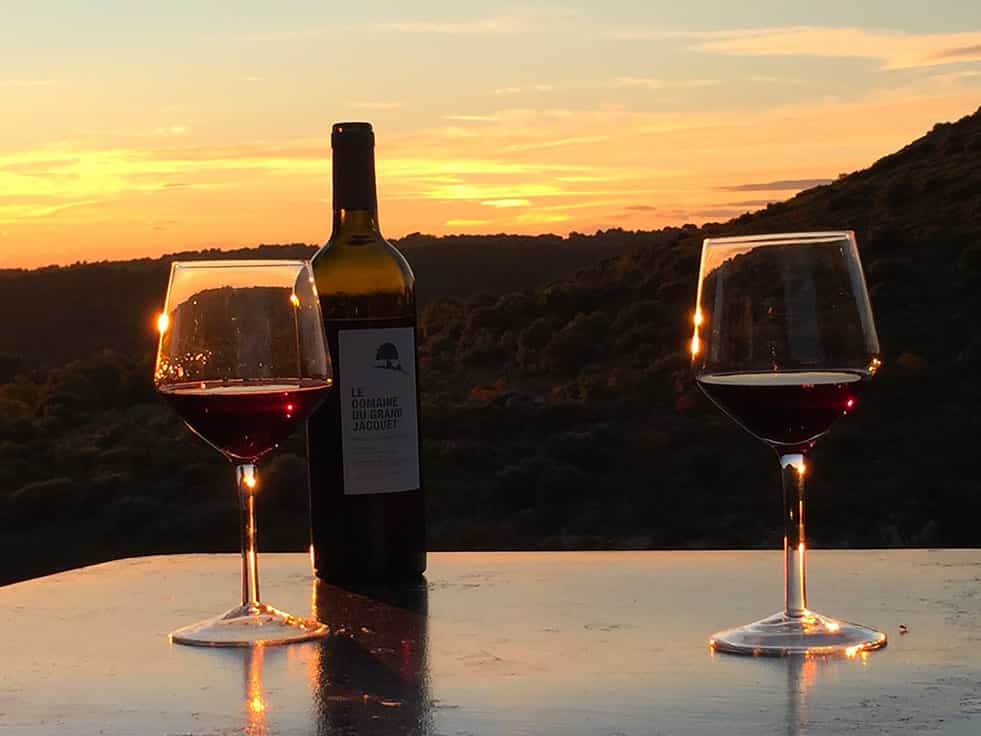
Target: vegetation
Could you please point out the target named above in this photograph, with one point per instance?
(555, 416)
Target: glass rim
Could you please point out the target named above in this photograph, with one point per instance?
(816, 235)
(243, 263)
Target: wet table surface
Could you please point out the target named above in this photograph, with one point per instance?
(496, 643)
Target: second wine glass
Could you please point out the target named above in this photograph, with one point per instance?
(784, 341)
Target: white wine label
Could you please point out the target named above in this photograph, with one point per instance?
(379, 429)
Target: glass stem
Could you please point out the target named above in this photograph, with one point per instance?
(245, 477)
(792, 472)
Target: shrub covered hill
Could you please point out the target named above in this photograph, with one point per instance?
(89, 307)
(564, 416)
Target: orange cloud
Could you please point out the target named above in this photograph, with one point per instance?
(506, 203)
(894, 49)
(466, 223)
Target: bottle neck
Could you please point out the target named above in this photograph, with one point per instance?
(355, 195)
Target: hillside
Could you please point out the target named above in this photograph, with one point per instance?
(638, 455)
(565, 414)
(94, 306)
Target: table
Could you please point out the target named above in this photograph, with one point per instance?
(606, 643)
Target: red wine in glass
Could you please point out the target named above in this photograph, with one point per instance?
(791, 408)
(245, 420)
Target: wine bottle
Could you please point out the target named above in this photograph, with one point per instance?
(366, 498)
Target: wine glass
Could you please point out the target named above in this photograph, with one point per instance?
(784, 342)
(242, 359)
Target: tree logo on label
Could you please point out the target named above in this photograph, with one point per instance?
(387, 358)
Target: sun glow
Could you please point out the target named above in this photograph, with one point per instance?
(163, 322)
(195, 164)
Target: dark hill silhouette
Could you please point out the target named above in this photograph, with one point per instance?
(562, 416)
(56, 314)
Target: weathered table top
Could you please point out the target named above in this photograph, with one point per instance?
(496, 643)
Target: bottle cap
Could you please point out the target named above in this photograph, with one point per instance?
(351, 133)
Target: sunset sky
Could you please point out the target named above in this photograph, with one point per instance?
(128, 132)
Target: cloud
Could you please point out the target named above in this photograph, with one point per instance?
(516, 20)
(750, 203)
(27, 82)
(777, 186)
(655, 83)
(485, 192)
(288, 34)
(375, 104)
(718, 212)
(519, 90)
(955, 77)
(587, 178)
(13, 213)
(43, 182)
(455, 131)
(409, 167)
(526, 19)
(573, 141)
(893, 49)
(172, 130)
(467, 223)
(479, 26)
(161, 225)
(641, 207)
(506, 203)
(471, 118)
(37, 166)
(772, 79)
(542, 218)
(586, 205)
(962, 53)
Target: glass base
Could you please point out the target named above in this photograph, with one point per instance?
(249, 625)
(812, 633)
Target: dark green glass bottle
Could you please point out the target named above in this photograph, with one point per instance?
(366, 495)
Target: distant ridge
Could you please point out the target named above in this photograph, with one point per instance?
(88, 307)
